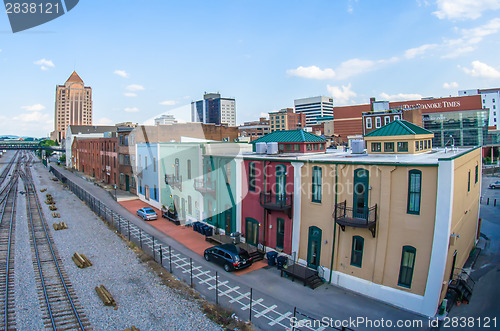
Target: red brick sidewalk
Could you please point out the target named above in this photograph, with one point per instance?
(184, 235)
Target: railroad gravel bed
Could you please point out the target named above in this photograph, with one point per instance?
(142, 300)
(28, 312)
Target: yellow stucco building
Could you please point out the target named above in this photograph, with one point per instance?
(392, 226)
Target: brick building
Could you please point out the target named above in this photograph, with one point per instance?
(97, 158)
(286, 119)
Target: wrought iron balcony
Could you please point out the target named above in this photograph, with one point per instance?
(174, 181)
(272, 201)
(356, 217)
(204, 187)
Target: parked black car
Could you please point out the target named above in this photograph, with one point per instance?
(230, 256)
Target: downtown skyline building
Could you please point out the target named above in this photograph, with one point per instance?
(214, 109)
(314, 107)
(73, 106)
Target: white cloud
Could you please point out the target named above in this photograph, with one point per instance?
(312, 72)
(104, 121)
(354, 67)
(341, 95)
(44, 64)
(482, 70)
(168, 103)
(413, 52)
(266, 115)
(464, 9)
(135, 87)
(466, 42)
(130, 94)
(400, 96)
(121, 73)
(451, 85)
(37, 107)
(131, 109)
(0, 50)
(35, 116)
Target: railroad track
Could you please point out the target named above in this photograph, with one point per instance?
(56, 295)
(7, 228)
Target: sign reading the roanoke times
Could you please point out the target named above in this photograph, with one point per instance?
(26, 14)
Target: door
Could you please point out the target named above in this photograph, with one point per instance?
(280, 183)
(251, 231)
(227, 220)
(314, 247)
(127, 183)
(360, 194)
(453, 265)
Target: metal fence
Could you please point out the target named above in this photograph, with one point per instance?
(248, 303)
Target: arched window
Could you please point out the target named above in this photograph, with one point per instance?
(407, 266)
(357, 251)
(414, 191)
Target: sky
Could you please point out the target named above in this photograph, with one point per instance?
(146, 58)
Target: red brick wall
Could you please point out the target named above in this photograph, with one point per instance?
(97, 158)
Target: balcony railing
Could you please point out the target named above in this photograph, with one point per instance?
(272, 201)
(356, 217)
(174, 181)
(204, 187)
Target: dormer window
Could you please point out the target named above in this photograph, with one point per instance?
(378, 122)
(368, 122)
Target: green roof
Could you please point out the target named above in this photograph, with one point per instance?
(288, 136)
(398, 128)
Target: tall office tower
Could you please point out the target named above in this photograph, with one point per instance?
(490, 98)
(314, 107)
(73, 106)
(214, 109)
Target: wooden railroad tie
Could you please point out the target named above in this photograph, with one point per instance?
(132, 328)
(52, 207)
(105, 296)
(43, 190)
(60, 226)
(56, 215)
(81, 261)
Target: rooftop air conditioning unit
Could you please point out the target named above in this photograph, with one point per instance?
(261, 148)
(358, 146)
(272, 148)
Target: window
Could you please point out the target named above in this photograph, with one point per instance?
(316, 184)
(280, 233)
(251, 176)
(476, 174)
(468, 183)
(414, 191)
(368, 122)
(357, 251)
(417, 145)
(189, 169)
(376, 147)
(389, 147)
(402, 146)
(425, 144)
(387, 120)
(378, 122)
(309, 147)
(429, 143)
(407, 265)
(315, 147)
(154, 164)
(155, 196)
(288, 147)
(145, 162)
(190, 205)
(421, 145)
(176, 169)
(296, 147)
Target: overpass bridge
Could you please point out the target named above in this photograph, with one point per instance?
(28, 145)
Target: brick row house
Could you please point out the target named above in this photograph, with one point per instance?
(97, 158)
